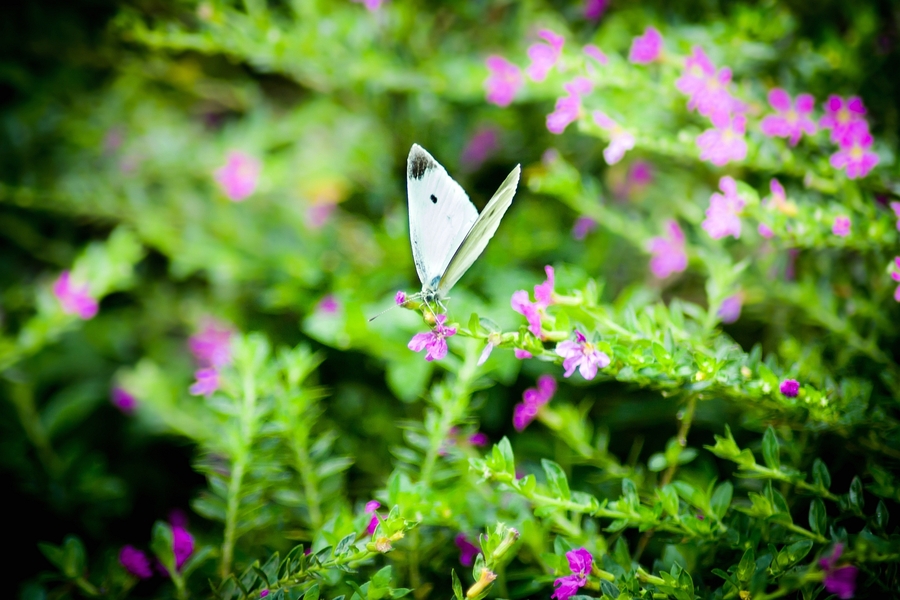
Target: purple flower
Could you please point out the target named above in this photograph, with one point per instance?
(122, 400)
(504, 80)
(707, 88)
(620, 141)
(895, 275)
(400, 298)
(722, 215)
(532, 400)
(580, 562)
(596, 53)
(211, 346)
(583, 226)
(895, 206)
(845, 118)
(840, 581)
(668, 253)
(522, 304)
(263, 593)
(855, 156)
(523, 354)
(646, 48)
(467, 550)
(479, 439)
(594, 9)
(790, 388)
(182, 545)
(371, 507)
(765, 231)
(841, 226)
(479, 148)
(725, 141)
(135, 562)
(371, 5)
(328, 305)
(239, 176)
(792, 120)
(543, 292)
(640, 173)
(582, 355)
(544, 56)
(564, 113)
(75, 299)
(434, 342)
(730, 310)
(207, 382)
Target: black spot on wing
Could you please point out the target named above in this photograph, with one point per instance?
(433, 199)
(418, 164)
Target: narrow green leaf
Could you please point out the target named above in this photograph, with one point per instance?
(818, 517)
(556, 479)
(457, 585)
(771, 451)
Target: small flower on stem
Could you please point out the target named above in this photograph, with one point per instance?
(722, 215)
(371, 5)
(400, 298)
(765, 231)
(707, 88)
(845, 118)
(580, 562)
(503, 82)
(135, 562)
(479, 439)
(371, 507)
(790, 388)
(841, 226)
(522, 354)
(668, 252)
(895, 275)
(544, 56)
(725, 141)
(182, 545)
(122, 400)
(568, 107)
(492, 342)
(646, 48)
(594, 9)
(730, 310)
(263, 593)
(532, 400)
(620, 141)
(840, 581)
(207, 382)
(581, 355)
(792, 119)
(239, 176)
(855, 156)
(211, 346)
(582, 227)
(75, 299)
(467, 550)
(328, 305)
(435, 341)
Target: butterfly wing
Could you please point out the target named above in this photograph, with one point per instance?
(440, 215)
(482, 231)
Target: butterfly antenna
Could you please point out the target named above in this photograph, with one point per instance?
(382, 312)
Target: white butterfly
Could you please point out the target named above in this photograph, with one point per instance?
(445, 229)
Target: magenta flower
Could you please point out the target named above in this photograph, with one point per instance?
(122, 400)
(765, 231)
(895, 206)
(841, 226)
(207, 382)
(503, 82)
(580, 562)
(544, 56)
(135, 562)
(523, 305)
(790, 388)
(480, 147)
(581, 355)
(646, 48)
(730, 310)
(400, 298)
(855, 156)
(371, 507)
(532, 400)
(722, 215)
(840, 581)
(467, 550)
(211, 346)
(594, 9)
(564, 113)
(707, 88)
(668, 253)
(328, 305)
(263, 593)
(640, 173)
(725, 141)
(182, 545)
(75, 299)
(239, 176)
(596, 53)
(371, 5)
(845, 118)
(435, 341)
(583, 226)
(523, 354)
(620, 141)
(543, 292)
(479, 439)
(895, 275)
(792, 119)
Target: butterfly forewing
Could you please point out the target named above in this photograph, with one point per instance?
(440, 215)
(482, 231)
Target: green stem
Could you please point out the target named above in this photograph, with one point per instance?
(806, 532)
(310, 482)
(22, 397)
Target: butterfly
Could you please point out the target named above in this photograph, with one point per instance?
(446, 232)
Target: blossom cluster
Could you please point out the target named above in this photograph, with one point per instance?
(532, 400)
(580, 563)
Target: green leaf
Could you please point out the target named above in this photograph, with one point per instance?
(881, 515)
(457, 585)
(818, 518)
(74, 557)
(821, 476)
(721, 499)
(747, 566)
(657, 462)
(342, 546)
(161, 545)
(855, 495)
(506, 452)
(771, 451)
(669, 499)
(556, 479)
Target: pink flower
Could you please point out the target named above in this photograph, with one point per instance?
(435, 341)
(765, 231)
(855, 157)
(328, 305)
(543, 292)
(400, 298)
(371, 507)
(479, 148)
(493, 341)
(594, 9)
(620, 141)
(582, 355)
(479, 439)
(895, 275)
(74, 299)
(504, 81)
(640, 173)
(596, 53)
(122, 400)
(730, 310)
(792, 121)
(583, 226)
(543, 296)
(135, 562)
(895, 206)
(564, 113)
(207, 382)
(239, 176)
(371, 5)
(544, 56)
(845, 118)
(211, 346)
(263, 593)
(840, 581)
(532, 400)
(646, 48)
(725, 142)
(707, 88)
(523, 354)
(182, 545)
(841, 226)
(668, 253)
(790, 388)
(722, 215)
(580, 561)
(467, 550)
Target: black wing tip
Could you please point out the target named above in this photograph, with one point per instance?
(418, 162)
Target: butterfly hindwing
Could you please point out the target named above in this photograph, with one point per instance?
(440, 215)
